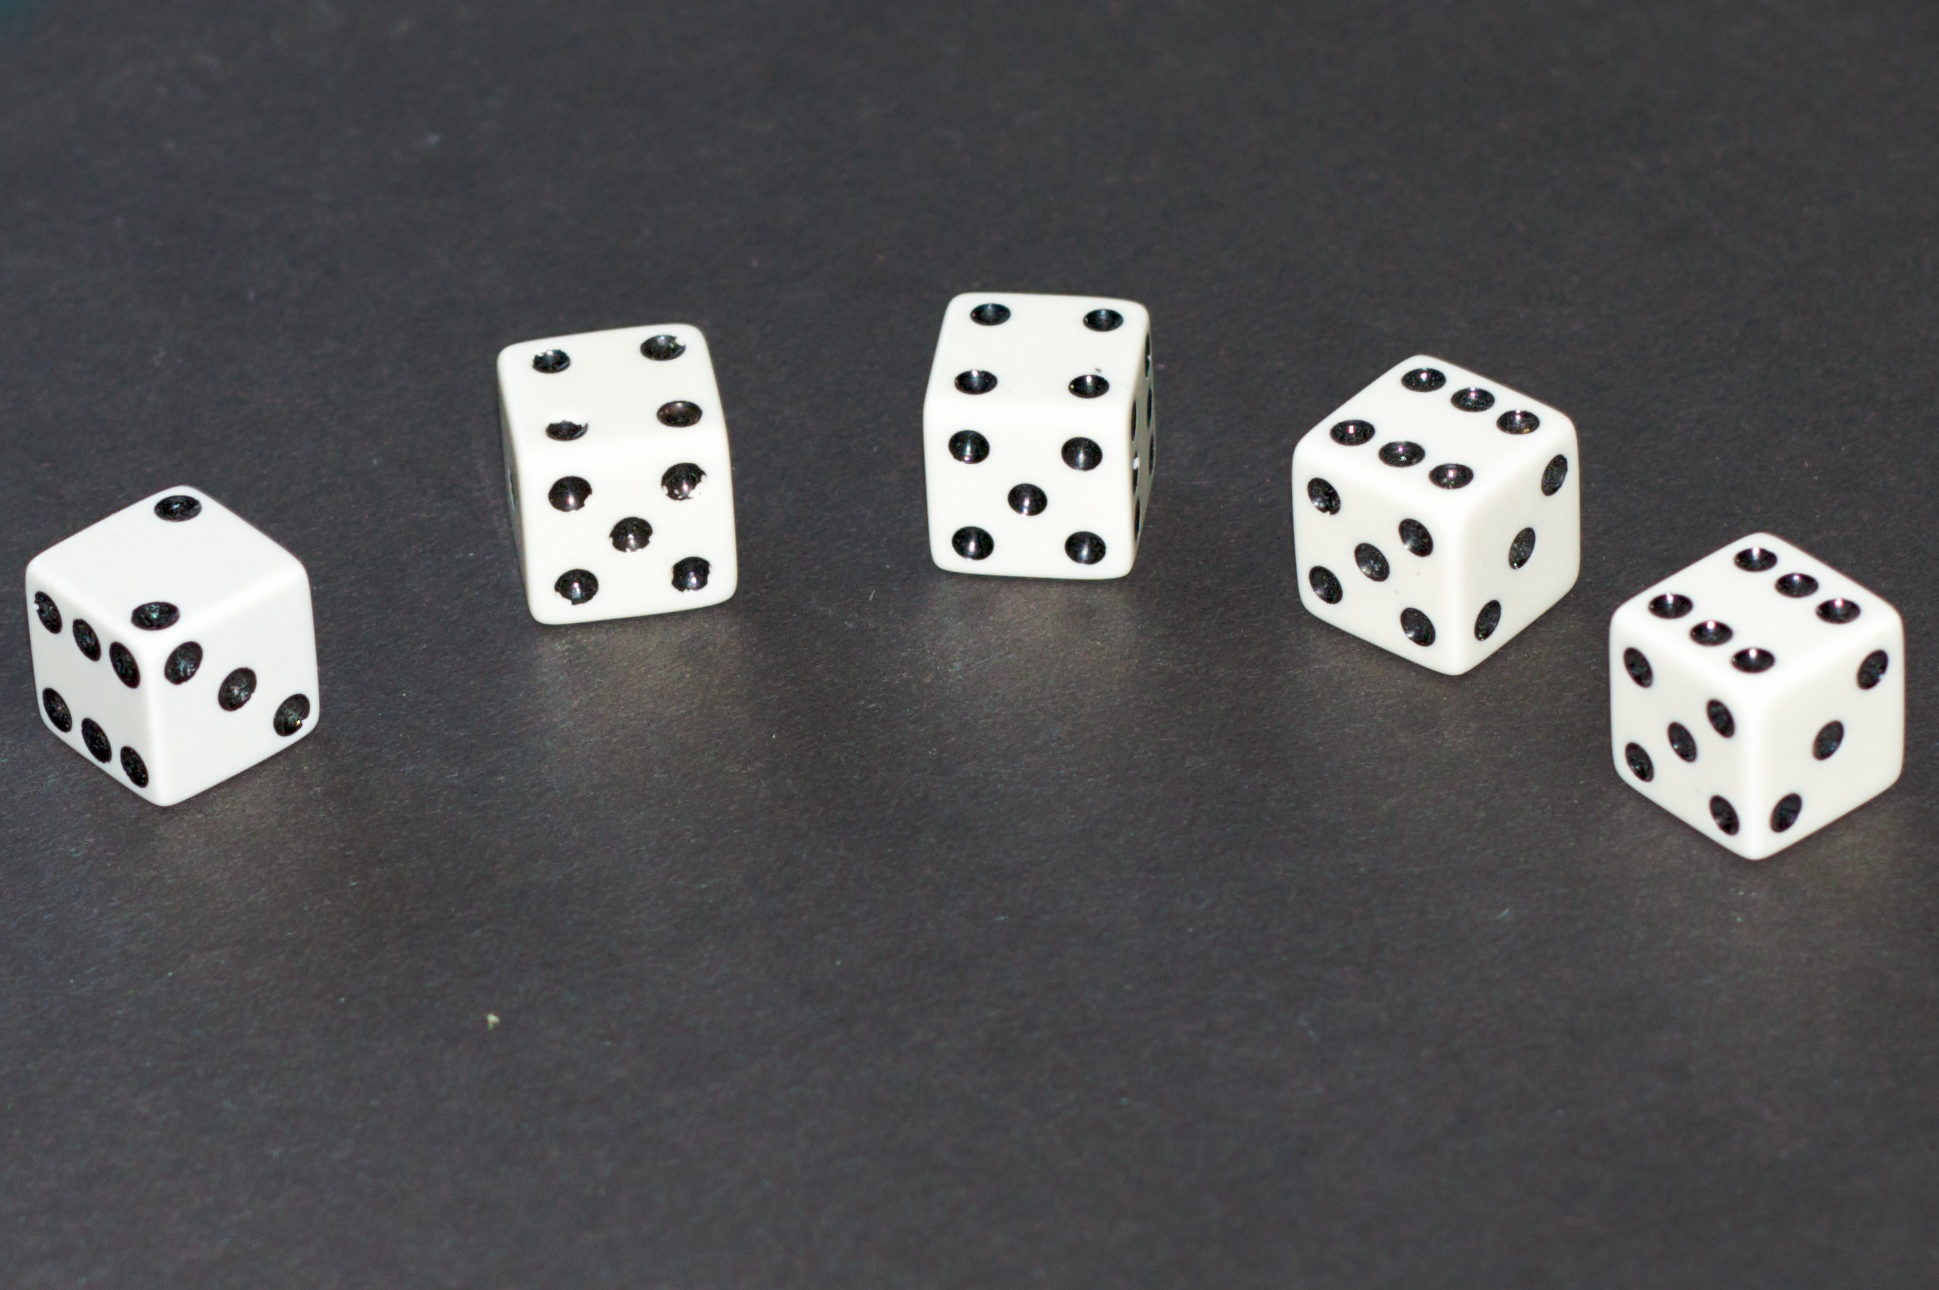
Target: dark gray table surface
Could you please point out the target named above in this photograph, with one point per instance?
(884, 927)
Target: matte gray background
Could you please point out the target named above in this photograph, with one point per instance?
(883, 927)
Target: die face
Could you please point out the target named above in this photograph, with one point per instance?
(618, 472)
(1758, 688)
(142, 626)
(1039, 435)
(1435, 532)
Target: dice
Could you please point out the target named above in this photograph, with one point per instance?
(1436, 514)
(616, 463)
(173, 644)
(1038, 437)
(1757, 695)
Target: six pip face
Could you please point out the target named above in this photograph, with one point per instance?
(1039, 435)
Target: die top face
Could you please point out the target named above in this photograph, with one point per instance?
(176, 556)
(1429, 426)
(1064, 359)
(1757, 617)
(594, 395)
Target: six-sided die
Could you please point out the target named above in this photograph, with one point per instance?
(1437, 513)
(1038, 435)
(1757, 695)
(173, 644)
(616, 463)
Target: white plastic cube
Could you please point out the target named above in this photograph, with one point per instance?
(1437, 513)
(1038, 435)
(616, 463)
(1757, 695)
(173, 644)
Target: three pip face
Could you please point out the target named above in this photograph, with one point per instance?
(1757, 695)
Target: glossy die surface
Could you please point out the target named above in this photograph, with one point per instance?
(616, 463)
(1437, 513)
(1038, 435)
(1757, 695)
(173, 645)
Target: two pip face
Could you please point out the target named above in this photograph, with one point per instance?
(1039, 435)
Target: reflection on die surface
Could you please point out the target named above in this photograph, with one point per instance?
(1437, 513)
(173, 644)
(1757, 695)
(616, 465)
(1039, 435)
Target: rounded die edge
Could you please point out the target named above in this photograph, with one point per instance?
(1453, 653)
(1756, 840)
(1460, 376)
(307, 722)
(1137, 316)
(43, 570)
(514, 370)
(152, 503)
(517, 356)
(1316, 452)
(1792, 558)
(1752, 841)
(549, 609)
(689, 336)
(1120, 557)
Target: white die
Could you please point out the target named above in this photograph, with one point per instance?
(1757, 695)
(1437, 513)
(1038, 435)
(173, 644)
(616, 464)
